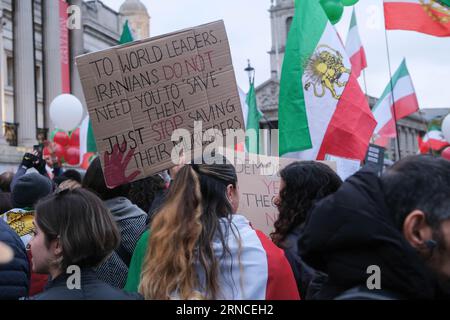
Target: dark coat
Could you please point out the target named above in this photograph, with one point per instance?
(353, 229)
(158, 202)
(91, 288)
(14, 276)
(132, 223)
(308, 280)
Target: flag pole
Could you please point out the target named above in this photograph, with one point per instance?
(392, 94)
(372, 139)
(365, 84)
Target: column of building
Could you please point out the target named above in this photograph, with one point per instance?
(52, 56)
(2, 77)
(24, 86)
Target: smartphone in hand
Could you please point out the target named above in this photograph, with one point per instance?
(38, 148)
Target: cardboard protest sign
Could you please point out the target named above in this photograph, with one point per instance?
(138, 94)
(259, 184)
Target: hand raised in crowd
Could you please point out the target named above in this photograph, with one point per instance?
(39, 163)
(28, 160)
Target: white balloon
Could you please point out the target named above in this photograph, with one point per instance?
(446, 128)
(66, 112)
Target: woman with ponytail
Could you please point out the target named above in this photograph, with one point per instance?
(199, 248)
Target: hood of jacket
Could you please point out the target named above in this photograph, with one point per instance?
(122, 208)
(351, 230)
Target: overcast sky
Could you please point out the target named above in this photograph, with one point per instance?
(248, 28)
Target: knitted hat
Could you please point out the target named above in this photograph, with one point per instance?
(29, 188)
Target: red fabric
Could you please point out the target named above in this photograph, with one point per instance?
(37, 281)
(359, 62)
(431, 144)
(64, 46)
(406, 106)
(403, 108)
(424, 148)
(382, 141)
(351, 127)
(281, 283)
(415, 17)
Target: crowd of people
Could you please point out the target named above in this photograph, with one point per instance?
(179, 234)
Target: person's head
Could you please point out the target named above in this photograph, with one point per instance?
(29, 188)
(72, 175)
(200, 198)
(72, 227)
(59, 179)
(5, 181)
(302, 184)
(417, 192)
(69, 184)
(142, 192)
(94, 180)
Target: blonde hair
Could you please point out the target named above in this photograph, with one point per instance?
(181, 236)
(175, 231)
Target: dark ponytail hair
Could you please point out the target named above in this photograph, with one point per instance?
(94, 180)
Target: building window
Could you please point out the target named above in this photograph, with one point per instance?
(10, 71)
(288, 25)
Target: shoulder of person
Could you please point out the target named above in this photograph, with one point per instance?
(59, 293)
(363, 293)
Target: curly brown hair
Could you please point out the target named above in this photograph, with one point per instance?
(304, 183)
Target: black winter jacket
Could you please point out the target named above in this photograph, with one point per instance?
(353, 229)
(91, 288)
(308, 280)
(14, 276)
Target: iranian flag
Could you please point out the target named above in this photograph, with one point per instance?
(406, 103)
(426, 16)
(354, 48)
(433, 140)
(322, 109)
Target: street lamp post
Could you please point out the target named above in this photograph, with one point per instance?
(251, 79)
(250, 71)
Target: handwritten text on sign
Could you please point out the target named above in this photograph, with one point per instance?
(259, 184)
(139, 94)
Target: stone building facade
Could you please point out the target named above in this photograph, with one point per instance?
(30, 61)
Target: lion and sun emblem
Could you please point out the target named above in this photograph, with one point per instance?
(325, 70)
(437, 6)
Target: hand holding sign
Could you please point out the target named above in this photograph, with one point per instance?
(116, 166)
